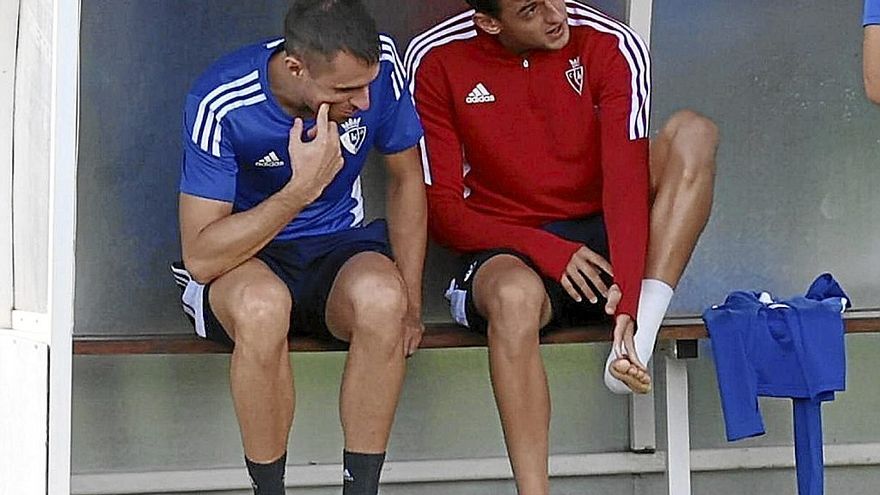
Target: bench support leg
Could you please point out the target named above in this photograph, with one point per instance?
(642, 422)
(678, 462)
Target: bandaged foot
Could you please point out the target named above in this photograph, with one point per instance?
(629, 375)
(623, 376)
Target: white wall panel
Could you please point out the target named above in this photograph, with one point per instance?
(8, 44)
(31, 150)
(24, 368)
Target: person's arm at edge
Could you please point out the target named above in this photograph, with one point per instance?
(408, 232)
(871, 62)
(626, 180)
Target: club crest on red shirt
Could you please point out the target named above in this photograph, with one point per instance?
(575, 75)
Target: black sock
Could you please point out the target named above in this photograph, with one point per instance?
(361, 473)
(268, 479)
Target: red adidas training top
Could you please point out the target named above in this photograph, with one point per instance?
(515, 142)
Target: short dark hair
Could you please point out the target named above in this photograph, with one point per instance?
(326, 27)
(491, 7)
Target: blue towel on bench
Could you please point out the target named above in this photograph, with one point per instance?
(792, 348)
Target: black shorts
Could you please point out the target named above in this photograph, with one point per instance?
(567, 312)
(308, 266)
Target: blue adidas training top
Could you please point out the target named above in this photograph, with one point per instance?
(236, 136)
(792, 348)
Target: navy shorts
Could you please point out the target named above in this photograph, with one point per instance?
(567, 312)
(308, 266)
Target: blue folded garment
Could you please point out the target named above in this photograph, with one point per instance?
(792, 348)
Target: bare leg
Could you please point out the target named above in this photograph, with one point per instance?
(512, 297)
(682, 184)
(366, 307)
(254, 306)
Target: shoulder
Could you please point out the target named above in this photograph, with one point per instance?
(446, 39)
(388, 51)
(596, 30)
(391, 70)
(237, 70)
(232, 82)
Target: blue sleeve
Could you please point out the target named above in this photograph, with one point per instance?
(399, 128)
(737, 381)
(818, 335)
(872, 12)
(209, 169)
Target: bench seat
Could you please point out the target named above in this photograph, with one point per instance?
(437, 336)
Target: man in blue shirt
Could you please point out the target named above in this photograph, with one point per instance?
(872, 50)
(271, 216)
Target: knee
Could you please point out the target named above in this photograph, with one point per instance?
(696, 138)
(516, 296)
(692, 131)
(261, 319)
(514, 306)
(379, 301)
(694, 135)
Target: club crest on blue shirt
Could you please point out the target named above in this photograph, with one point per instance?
(353, 136)
(575, 75)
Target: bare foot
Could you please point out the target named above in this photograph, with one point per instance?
(638, 380)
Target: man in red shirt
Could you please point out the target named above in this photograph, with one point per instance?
(537, 159)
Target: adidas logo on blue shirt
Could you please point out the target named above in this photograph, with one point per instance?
(270, 161)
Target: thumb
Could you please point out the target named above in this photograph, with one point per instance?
(617, 344)
(614, 297)
(630, 345)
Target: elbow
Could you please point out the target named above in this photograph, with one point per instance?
(434, 232)
(448, 235)
(872, 86)
(447, 225)
(439, 233)
(872, 91)
(199, 269)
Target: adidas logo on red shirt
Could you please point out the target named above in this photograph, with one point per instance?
(480, 95)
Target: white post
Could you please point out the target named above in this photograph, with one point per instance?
(62, 230)
(642, 421)
(8, 48)
(640, 15)
(678, 438)
(642, 432)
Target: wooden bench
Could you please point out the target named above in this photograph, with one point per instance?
(678, 338)
(437, 336)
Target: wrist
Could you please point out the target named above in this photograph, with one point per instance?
(294, 196)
